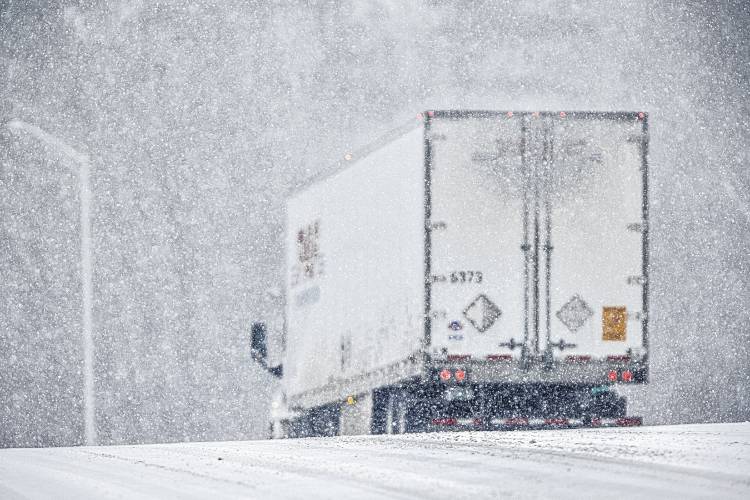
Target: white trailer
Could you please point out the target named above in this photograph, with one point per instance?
(481, 270)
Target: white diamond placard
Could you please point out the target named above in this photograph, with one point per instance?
(482, 313)
(574, 313)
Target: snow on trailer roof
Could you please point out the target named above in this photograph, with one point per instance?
(352, 156)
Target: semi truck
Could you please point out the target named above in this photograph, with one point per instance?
(472, 270)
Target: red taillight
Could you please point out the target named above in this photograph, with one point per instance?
(430, 114)
(612, 376)
(510, 114)
(460, 375)
(445, 374)
(627, 376)
(563, 114)
(641, 115)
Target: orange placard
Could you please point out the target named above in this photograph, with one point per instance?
(614, 324)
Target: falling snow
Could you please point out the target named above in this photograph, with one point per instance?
(198, 119)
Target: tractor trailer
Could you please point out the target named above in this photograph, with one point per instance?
(474, 270)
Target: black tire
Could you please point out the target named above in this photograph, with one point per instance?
(609, 405)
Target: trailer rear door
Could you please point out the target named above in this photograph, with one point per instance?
(537, 235)
(476, 191)
(592, 224)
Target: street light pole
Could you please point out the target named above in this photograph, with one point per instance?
(88, 299)
(84, 168)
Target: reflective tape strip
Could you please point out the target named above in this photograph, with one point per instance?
(444, 421)
(510, 422)
(629, 422)
(519, 422)
(556, 421)
(499, 357)
(617, 422)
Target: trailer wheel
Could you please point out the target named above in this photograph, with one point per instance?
(609, 405)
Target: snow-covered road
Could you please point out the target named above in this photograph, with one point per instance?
(684, 461)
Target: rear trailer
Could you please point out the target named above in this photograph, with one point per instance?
(480, 270)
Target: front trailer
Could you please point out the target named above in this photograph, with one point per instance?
(481, 270)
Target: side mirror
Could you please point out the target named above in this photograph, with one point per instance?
(258, 348)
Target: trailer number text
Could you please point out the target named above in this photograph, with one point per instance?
(466, 277)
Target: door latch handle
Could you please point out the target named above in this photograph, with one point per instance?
(562, 345)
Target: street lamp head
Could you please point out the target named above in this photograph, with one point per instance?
(50, 140)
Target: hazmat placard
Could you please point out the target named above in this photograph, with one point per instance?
(614, 324)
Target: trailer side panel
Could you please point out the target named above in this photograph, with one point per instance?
(355, 293)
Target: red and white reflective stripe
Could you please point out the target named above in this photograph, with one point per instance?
(557, 422)
(444, 421)
(578, 358)
(621, 358)
(463, 422)
(546, 422)
(617, 422)
(517, 421)
(629, 422)
(467, 421)
(458, 357)
(512, 422)
(499, 357)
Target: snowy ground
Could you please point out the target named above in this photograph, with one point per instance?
(684, 461)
